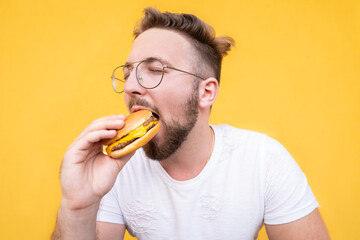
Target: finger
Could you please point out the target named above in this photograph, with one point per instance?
(106, 125)
(88, 140)
(112, 117)
(110, 122)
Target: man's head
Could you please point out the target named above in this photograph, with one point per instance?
(175, 100)
(209, 49)
(182, 100)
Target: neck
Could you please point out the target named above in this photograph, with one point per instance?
(189, 160)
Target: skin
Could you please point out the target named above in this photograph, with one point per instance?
(84, 165)
(167, 97)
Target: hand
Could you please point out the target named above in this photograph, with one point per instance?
(86, 173)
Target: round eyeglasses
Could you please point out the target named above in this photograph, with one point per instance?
(149, 74)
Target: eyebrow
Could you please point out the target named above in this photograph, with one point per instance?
(164, 61)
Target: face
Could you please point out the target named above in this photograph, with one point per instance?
(175, 100)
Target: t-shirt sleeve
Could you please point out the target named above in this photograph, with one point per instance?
(109, 209)
(288, 196)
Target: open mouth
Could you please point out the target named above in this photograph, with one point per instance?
(155, 115)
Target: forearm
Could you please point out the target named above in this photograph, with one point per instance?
(75, 224)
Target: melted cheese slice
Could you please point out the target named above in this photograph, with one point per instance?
(136, 133)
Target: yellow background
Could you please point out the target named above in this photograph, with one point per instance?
(294, 75)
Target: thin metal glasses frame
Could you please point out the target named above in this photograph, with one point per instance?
(113, 78)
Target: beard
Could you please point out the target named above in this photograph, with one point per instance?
(175, 132)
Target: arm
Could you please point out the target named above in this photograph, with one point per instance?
(110, 231)
(86, 176)
(310, 227)
(78, 224)
(68, 227)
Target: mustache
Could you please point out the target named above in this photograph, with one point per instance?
(144, 103)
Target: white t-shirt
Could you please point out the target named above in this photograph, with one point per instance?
(249, 180)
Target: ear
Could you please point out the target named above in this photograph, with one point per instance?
(208, 91)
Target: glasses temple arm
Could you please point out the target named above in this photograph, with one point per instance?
(184, 72)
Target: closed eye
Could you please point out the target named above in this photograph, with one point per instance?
(157, 70)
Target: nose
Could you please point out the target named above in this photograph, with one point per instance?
(132, 86)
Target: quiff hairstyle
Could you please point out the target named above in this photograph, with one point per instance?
(210, 49)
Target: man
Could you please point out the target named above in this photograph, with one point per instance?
(192, 181)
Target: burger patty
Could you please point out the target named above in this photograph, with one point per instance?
(151, 119)
(124, 144)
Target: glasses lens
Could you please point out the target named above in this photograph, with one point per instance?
(150, 73)
(119, 77)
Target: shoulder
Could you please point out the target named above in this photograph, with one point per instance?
(252, 147)
(251, 139)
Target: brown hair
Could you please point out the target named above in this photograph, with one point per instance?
(211, 49)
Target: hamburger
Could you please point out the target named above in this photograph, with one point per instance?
(140, 127)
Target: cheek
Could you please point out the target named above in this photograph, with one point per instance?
(174, 92)
(176, 110)
(171, 103)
